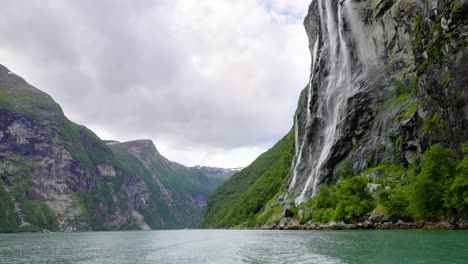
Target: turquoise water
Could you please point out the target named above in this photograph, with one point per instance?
(237, 246)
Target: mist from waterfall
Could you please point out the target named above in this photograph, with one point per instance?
(333, 90)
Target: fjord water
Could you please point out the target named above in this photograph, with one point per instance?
(237, 246)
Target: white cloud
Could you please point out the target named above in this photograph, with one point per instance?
(211, 82)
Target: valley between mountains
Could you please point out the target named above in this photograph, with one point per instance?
(59, 176)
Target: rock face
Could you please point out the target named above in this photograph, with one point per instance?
(57, 175)
(388, 80)
(180, 193)
(382, 71)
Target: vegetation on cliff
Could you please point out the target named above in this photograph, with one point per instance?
(243, 196)
(437, 190)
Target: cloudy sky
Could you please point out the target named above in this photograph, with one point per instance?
(211, 82)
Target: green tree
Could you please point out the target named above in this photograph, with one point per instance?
(457, 197)
(432, 185)
(396, 203)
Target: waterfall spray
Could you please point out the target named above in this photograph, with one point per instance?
(333, 90)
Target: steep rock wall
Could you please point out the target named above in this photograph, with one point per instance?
(404, 63)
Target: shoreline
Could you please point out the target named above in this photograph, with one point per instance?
(366, 225)
(264, 228)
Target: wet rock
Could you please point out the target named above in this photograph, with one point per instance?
(430, 226)
(462, 223)
(444, 225)
(406, 226)
(386, 225)
(367, 224)
(419, 224)
(283, 223)
(295, 225)
(337, 225)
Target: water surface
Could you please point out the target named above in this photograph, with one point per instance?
(237, 246)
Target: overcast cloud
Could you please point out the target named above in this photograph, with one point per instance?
(212, 82)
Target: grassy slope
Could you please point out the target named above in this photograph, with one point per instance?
(241, 197)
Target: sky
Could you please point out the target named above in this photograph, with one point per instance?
(210, 82)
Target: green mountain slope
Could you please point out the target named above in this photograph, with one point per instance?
(241, 197)
(57, 175)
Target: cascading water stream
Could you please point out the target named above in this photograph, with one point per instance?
(333, 93)
(365, 45)
(298, 149)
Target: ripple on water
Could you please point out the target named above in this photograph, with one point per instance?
(282, 247)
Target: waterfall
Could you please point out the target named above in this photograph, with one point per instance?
(298, 150)
(364, 44)
(333, 89)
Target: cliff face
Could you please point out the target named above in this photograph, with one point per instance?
(57, 175)
(180, 193)
(380, 70)
(388, 80)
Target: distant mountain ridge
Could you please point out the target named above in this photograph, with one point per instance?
(215, 171)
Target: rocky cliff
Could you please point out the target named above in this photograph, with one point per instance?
(381, 69)
(387, 97)
(180, 193)
(57, 175)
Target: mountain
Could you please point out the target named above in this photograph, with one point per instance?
(381, 130)
(214, 171)
(58, 175)
(180, 193)
(217, 175)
